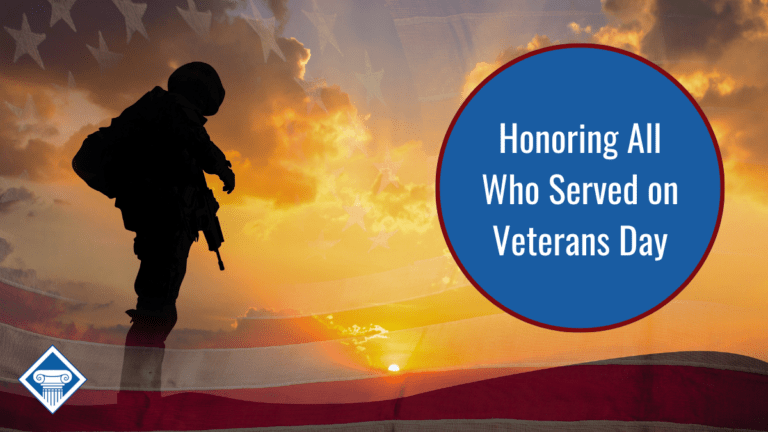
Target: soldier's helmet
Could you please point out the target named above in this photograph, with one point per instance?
(199, 83)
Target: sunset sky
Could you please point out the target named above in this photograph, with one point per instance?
(332, 230)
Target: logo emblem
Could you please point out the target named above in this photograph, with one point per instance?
(52, 379)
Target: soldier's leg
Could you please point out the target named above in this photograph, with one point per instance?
(182, 243)
(163, 255)
(163, 265)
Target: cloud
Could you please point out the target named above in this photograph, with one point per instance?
(36, 158)
(577, 29)
(703, 28)
(672, 30)
(740, 121)
(627, 36)
(508, 54)
(13, 196)
(704, 44)
(270, 313)
(34, 153)
(406, 209)
(359, 335)
(103, 305)
(281, 12)
(746, 98)
(699, 83)
(625, 9)
(631, 20)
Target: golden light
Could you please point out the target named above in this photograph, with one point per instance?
(394, 368)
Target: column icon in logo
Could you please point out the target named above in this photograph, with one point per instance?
(52, 379)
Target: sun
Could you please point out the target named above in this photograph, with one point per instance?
(394, 368)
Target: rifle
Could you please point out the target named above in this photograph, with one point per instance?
(208, 222)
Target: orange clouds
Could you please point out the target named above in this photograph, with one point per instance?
(577, 29)
(626, 36)
(703, 28)
(711, 47)
(633, 21)
(699, 83)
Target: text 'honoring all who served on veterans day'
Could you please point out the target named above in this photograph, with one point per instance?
(507, 189)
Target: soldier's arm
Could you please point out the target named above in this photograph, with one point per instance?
(187, 125)
(208, 156)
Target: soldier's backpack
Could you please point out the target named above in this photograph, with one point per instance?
(94, 161)
(102, 157)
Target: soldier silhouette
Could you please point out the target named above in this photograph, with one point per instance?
(159, 179)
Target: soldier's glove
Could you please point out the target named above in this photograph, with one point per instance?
(228, 177)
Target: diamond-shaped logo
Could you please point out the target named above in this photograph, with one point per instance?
(52, 379)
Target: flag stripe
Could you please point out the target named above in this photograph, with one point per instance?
(677, 394)
(269, 367)
(485, 425)
(220, 369)
(352, 391)
(199, 369)
(408, 384)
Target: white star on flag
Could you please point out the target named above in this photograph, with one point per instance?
(200, 22)
(313, 89)
(265, 28)
(27, 116)
(324, 24)
(381, 239)
(132, 12)
(321, 245)
(388, 170)
(70, 83)
(371, 81)
(103, 55)
(60, 11)
(26, 41)
(356, 214)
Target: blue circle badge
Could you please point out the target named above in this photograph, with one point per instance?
(580, 187)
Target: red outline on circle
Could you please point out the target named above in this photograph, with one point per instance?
(606, 48)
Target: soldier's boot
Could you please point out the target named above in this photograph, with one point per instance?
(143, 359)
